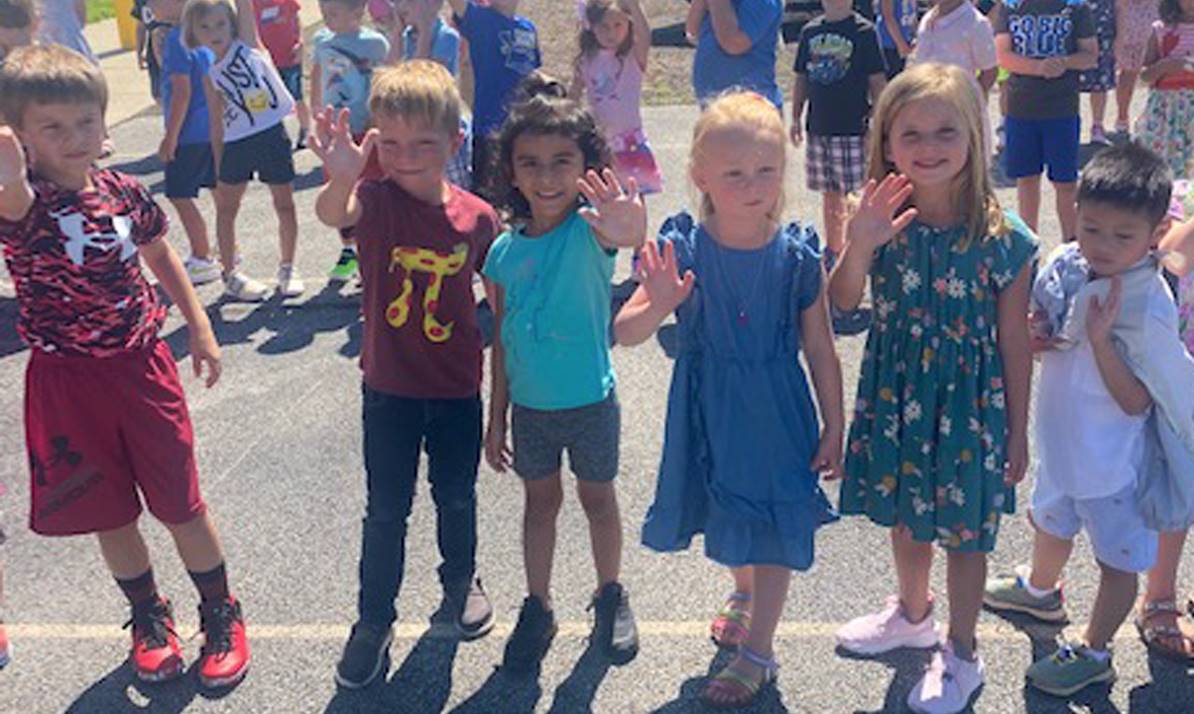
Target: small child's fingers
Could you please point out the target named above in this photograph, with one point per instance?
(369, 141)
(612, 183)
(632, 189)
(214, 370)
(686, 283)
(904, 220)
(587, 189)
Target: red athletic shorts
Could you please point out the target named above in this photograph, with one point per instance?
(98, 430)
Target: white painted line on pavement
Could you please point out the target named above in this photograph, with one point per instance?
(412, 631)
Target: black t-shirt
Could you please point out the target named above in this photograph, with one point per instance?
(1040, 29)
(837, 60)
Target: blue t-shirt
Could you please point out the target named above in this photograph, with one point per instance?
(503, 50)
(714, 70)
(445, 45)
(556, 325)
(906, 18)
(346, 62)
(177, 59)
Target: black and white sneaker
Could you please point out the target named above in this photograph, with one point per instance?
(531, 638)
(614, 629)
(471, 609)
(366, 655)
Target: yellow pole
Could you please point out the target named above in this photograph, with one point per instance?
(125, 24)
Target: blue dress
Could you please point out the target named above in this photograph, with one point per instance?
(741, 426)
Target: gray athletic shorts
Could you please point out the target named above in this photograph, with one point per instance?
(590, 435)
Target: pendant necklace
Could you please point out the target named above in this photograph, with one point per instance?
(743, 313)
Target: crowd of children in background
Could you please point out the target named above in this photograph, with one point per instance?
(535, 189)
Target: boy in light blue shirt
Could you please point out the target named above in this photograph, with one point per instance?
(345, 55)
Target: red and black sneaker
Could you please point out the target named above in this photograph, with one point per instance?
(224, 658)
(155, 654)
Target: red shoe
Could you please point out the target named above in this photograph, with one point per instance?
(156, 655)
(224, 659)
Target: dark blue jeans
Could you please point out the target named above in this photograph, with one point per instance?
(396, 430)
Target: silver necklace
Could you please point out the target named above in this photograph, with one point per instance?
(743, 312)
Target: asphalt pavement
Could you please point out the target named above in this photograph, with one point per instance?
(280, 459)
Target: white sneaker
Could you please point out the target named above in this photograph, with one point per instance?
(948, 683)
(201, 270)
(239, 286)
(290, 283)
(887, 630)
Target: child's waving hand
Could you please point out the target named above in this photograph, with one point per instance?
(617, 215)
(660, 278)
(875, 221)
(332, 142)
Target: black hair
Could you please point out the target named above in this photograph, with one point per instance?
(540, 106)
(1170, 12)
(1128, 176)
(16, 14)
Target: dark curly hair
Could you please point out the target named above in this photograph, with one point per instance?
(540, 106)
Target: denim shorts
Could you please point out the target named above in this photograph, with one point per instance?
(1033, 144)
(589, 434)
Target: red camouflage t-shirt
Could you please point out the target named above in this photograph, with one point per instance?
(421, 338)
(280, 30)
(74, 262)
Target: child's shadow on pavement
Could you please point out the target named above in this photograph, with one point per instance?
(1171, 688)
(768, 700)
(121, 692)
(906, 665)
(505, 693)
(422, 683)
(576, 693)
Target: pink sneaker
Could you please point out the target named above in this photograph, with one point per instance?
(948, 684)
(887, 630)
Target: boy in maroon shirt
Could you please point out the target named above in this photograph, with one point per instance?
(421, 240)
(105, 416)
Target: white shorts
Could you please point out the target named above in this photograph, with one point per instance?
(1113, 523)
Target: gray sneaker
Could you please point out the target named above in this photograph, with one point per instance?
(472, 610)
(1069, 670)
(1010, 593)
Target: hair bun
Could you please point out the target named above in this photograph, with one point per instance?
(539, 84)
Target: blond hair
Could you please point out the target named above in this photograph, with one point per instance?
(973, 194)
(48, 74)
(196, 10)
(742, 110)
(417, 88)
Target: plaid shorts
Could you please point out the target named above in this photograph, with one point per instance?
(835, 163)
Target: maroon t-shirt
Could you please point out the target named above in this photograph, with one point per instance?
(417, 264)
(73, 260)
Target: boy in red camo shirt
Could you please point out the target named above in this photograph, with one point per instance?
(105, 414)
(282, 34)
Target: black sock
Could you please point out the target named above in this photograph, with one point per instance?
(141, 591)
(348, 251)
(212, 585)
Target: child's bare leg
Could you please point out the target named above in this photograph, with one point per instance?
(303, 112)
(198, 543)
(542, 506)
(914, 563)
(1067, 209)
(770, 592)
(1117, 593)
(966, 576)
(195, 226)
(833, 212)
(283, 195)
(1028, 199)
(600, 502)
(228, 198)
(1125, 84)
(1098, 108)
(124, 551)
(744, 579)
(1049, 556)
(1161, 585)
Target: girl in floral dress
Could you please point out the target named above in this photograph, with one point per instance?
(939, 435)
(1167, 126)
(1133, 26)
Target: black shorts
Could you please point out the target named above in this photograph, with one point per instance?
(292, 77)
(266, 155)
(193, 168)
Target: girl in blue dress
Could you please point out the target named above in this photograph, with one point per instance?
(742, 447)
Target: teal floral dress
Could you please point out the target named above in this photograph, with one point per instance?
(926, 446)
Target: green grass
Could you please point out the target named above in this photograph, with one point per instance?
(100, 10)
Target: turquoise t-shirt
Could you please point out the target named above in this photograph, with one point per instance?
(556, 325)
